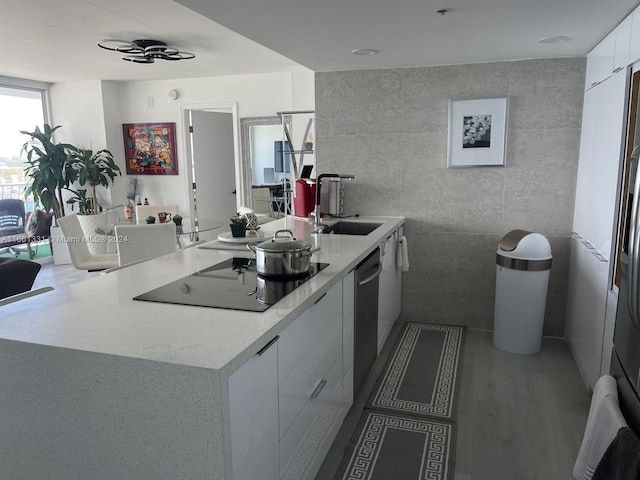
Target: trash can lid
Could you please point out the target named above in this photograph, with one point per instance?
(524, 245)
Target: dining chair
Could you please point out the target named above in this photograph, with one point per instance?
(142, 242)
(262, 201)
(81, 257)
(144, 211)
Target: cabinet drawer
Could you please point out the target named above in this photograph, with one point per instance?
(306, 350)
(306, 443)
(253, 410)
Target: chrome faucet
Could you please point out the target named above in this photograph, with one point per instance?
(316, 213)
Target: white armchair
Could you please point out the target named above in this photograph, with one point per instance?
(142, 242)
(144, 211)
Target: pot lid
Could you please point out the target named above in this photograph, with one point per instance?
(282, 243)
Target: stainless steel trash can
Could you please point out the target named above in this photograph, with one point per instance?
(523, 264)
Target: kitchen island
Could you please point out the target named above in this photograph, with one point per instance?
(98, 385)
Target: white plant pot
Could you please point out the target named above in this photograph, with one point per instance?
(60, 250)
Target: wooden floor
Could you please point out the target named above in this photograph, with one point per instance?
(519, 416)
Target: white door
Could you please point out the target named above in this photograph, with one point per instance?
(213, 164)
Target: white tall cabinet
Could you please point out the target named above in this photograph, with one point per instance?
(597, 197)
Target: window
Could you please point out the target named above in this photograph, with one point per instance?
(21, 108)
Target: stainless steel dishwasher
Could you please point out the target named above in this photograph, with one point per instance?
(366, 317)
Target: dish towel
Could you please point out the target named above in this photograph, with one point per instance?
(621, 461)
(402, 259)
(603, 423)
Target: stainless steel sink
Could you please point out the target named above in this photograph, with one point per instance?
(351, 228)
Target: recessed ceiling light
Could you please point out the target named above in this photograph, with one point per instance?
(365, 51)
(554, 40)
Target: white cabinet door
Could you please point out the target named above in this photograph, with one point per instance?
(253, 404)
(309, 438)
(307, 349)
(313, 402)
(634, 46)
(598, 170)
(388, 307)
(586, 309)
(600, 61)
(595, 220)
(623, 44)
(584, 198)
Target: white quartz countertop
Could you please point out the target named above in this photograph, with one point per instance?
(99, 315)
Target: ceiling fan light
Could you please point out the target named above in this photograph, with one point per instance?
(117, 45)
(138, 59)
(144, 51)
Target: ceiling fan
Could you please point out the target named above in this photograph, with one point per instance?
(144, 51)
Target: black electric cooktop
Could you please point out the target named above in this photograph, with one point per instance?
(233, 284)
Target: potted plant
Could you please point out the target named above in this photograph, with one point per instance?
(238, 225)
(81, 200)
(48, 168)
(91, 169)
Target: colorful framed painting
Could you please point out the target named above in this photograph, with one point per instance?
(477, 132)
(150, 148)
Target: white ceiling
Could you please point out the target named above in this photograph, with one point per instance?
(55, 40)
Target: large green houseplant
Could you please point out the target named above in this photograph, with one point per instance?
(48, 168)
(92, 170)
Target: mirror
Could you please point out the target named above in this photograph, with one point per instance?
(258, 135)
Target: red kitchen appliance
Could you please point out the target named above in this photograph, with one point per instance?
(304, 198)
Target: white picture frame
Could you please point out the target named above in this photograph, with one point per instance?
(477, 132)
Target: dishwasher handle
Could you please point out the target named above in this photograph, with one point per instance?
(371, 277)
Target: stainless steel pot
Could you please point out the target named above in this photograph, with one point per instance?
(283, 255)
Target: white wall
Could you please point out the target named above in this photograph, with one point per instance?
(92, 114)
(78, 108)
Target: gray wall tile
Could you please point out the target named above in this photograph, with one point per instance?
(390, 129)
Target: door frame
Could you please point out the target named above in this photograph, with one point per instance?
(222, 107)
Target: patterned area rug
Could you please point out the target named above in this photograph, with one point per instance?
(391, 446)
(408, 430)
(422, 375)
(388, 447)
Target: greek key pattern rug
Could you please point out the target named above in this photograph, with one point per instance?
(387, 446)
(422, 375)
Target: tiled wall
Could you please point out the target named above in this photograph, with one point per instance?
(390, 128)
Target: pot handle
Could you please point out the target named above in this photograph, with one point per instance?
(251, 247)
(313, 250)
(275, 235)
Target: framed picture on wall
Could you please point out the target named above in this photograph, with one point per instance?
(150, 148)
(477, 132)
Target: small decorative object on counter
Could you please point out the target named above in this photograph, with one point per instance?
(150, 219)
(164, 217)
(177, 219)
(238, 225)
(128, 210)
(146, 201)
(138, 201)
(252, 221)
